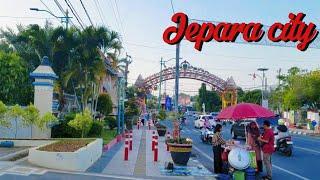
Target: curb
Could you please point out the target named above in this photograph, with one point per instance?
(298, 132)
(113, 142)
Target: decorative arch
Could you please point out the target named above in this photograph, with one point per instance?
(227, 89)
(186, 72)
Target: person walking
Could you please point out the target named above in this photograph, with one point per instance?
(217, 141)
(267, 140)
(252, 140)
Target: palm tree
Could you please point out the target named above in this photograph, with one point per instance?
(88, 67)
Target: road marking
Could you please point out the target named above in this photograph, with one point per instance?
(307, 149)
(96, 174)
(277, 167)
(289, 172)
(203, 153)
(307, 139)
(195, 131)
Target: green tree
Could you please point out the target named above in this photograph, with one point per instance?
(31, 116)
(82, 122)
(253, 96)
(211, 99)
(4, 115)
(15, 84)
(104, 105)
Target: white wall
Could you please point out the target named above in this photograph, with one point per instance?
(23, 132)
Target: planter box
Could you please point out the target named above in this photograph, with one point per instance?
(180, 153)
(161, 131)
(79, 160)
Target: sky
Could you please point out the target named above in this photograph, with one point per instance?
(141, 24)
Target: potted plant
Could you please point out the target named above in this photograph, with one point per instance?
(180, 150)
(161, 129)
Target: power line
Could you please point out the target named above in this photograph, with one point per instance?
(120, 19)
(46, 7)
(85, 10)
(96, 2)
(25, 17)
(75, 14)
(62, 11)
(172, 7)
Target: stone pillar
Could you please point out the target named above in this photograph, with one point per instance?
(44, 77)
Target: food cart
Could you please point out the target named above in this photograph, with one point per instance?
(241, 160)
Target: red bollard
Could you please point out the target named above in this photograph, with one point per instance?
(168, 137)
(149, 124)
(130, 140)
(138, 124)
(153, 140)
(155, 152)
(126, 149)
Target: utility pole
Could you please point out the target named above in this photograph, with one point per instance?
(279, 86)
(159, 98)
(63, 19)
(66, 19)
(263, 88)
(128, 61)
(177, 78)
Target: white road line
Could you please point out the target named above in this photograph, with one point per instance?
(277, 167)
(195, 131)
(307, 149)
(306, 139)
(289, 172)
(96, 174)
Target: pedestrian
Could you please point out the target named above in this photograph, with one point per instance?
(267, 140)
(217, 141)
(252, 140)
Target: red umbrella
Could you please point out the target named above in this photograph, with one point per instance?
(244, 111)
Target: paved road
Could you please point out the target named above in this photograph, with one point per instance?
(304, 164)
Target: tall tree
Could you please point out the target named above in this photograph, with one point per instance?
(15, 85)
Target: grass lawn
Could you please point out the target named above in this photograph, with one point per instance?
(108, 135)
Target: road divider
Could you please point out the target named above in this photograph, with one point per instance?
(126, 148)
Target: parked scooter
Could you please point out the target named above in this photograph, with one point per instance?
(206, 135)
(283, 142)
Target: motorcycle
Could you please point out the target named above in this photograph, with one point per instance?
(283, 142)
(206, 135)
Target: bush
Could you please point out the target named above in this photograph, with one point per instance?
(111, 122)
(96, 129)
(104, 105)
(63, 130)
(82, 122)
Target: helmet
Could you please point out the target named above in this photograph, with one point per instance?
(281, 122)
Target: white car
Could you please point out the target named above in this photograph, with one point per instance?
(199, 123)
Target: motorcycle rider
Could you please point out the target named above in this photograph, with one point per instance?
(207, 128)
(281, 130)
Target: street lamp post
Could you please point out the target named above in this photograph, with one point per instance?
(120, 109)
(63, 19)
(159, 98)
(177, 78)
(162, 63)
(264, 88)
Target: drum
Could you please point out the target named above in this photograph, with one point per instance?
(239, 158)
